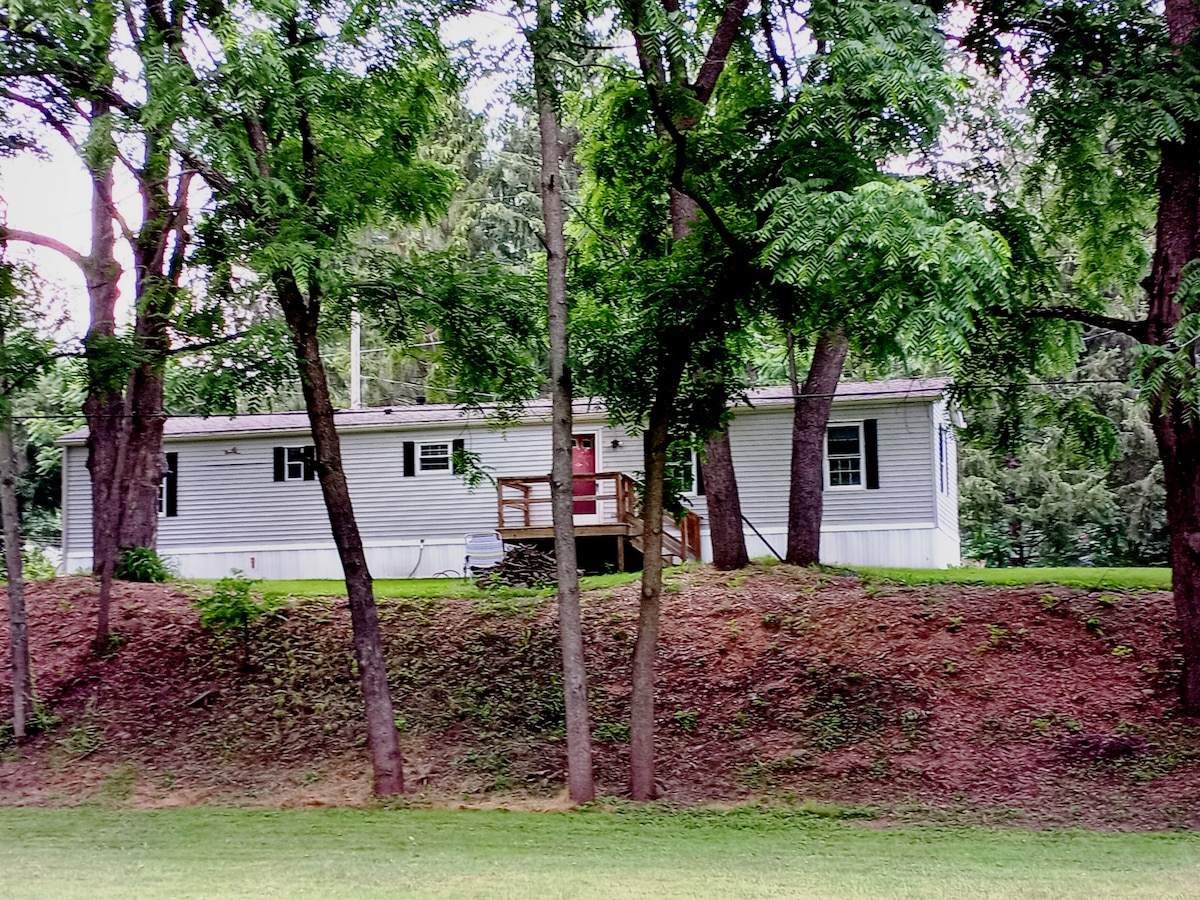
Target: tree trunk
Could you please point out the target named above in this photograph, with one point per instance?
(144, 458)
(655, 443)
(1179, 446)
(570, 624)
(1175, 427)
(808, 449)
(18, 628)
(724, 504)
(104, 407)
(157, 289)
(383, 740)
(683, 211)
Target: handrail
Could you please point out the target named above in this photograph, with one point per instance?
(624, 510)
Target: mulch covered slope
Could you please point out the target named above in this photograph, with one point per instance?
(1031, 705)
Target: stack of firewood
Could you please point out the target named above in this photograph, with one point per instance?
(523, 566)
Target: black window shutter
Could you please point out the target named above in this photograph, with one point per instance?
(699, 475)
(871, 452)
(279, 464)
(171, 487)
(410, 459)
(310, 463)
(457, 445)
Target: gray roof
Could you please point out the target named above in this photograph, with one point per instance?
(416, 414)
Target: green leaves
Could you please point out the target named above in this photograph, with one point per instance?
(1167, 373)
(884, 88)
(899, 275)
(319, 133)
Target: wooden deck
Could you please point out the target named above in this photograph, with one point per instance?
(523, 512)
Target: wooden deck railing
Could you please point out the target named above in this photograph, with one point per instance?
(524, 502)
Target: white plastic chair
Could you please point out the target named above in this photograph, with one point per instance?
(484, 550)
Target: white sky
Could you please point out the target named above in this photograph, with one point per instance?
(53, 196)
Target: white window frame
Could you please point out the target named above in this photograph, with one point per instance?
(862, 458)
(447, 469)
(943, 460)
(288, 462)
(694, 462)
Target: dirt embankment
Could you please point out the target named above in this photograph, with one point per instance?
(1031, 705)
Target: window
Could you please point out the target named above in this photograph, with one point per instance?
(843, 455)
(435, 457)
(295, 463)
(942, 458)
(683, 470)
(168, 488)
(439, 457)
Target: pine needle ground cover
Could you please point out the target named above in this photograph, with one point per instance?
(943, 704)
(90, 852)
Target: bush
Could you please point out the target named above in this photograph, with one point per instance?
(233, 605)
(141, 564)
(35, 564)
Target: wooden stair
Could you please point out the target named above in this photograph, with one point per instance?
(676, 548)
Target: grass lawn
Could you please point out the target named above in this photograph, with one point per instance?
(90, 852)
(408, 588)
(1157, 579)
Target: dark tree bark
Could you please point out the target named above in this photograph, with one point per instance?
(808, 452)
(383, 741)
(724, 504)
(18, 623)
(157, 288)
(105, 405)
(1176, 428)
(655, 442)
(683, 212)
(570, 623)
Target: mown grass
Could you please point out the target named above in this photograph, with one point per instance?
(89, 852)
(1150, 579)
(415, 588)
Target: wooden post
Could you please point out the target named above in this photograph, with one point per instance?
(620, 553)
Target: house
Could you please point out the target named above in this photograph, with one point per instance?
(241, 492)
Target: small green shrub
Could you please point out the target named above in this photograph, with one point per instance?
(614, 732)
(35, 565)
(143, 565)
(233, 606)
(687, 719)
(86, 736)
(765, 775)
(39, 722)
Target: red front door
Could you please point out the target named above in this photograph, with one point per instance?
(583, 462)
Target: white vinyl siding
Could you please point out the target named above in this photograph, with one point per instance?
(229, 508)
(761, 441)
(232, 499)
(944, 436)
